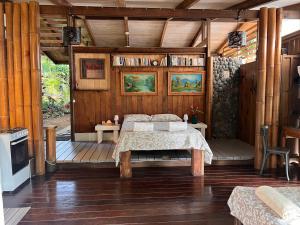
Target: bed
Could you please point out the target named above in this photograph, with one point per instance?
(248, 209)
(189, 139)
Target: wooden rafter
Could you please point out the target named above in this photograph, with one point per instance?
(249, 4)
(122, 4)
(197, 36)
(88, 29)
(185, 4)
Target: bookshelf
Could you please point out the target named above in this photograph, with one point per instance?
(158, 60)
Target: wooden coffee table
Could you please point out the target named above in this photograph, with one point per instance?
(100, 128)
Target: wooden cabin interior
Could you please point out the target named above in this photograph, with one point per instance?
(179, 112)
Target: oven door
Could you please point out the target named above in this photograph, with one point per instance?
(19, 154)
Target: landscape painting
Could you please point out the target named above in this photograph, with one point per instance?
(139, 83)
(186, 83)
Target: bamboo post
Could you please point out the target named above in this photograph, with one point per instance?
(34, 30)
(277, 81)
(51, 148)
(4, 116)
(270, 71)
(18, 65)
(26, 74)
(10, 63)
(209, 95)
(261, 84)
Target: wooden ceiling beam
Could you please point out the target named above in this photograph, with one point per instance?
(247, 4)
(186, 4)
(197, 36)
(122, 4)
(88, 30)
(148, 13)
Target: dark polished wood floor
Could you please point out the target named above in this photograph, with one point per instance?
(152, 196)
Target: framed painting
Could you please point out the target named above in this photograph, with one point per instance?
(92, 71)
(186, 83)
(139, 83)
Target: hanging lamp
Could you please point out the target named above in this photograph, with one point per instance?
(237, 39)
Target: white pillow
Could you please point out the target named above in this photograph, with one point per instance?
(143, 126)
(137, 118)
(165, 118)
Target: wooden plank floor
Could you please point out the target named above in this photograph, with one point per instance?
(153, 196)
(90, 152)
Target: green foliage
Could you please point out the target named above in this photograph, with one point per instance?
(56, 88)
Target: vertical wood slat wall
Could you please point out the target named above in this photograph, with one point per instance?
(268, 78)
(20, 76)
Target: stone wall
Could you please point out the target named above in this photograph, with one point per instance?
(225, 97)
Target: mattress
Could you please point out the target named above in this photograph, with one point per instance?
(250, 210)
(160, 140)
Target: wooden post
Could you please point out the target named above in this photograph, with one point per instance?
(197, 162)
(125, 164)
(18, 65)
(4, 116)
(277, 81)
(10, 63)
(270, 72)
(26, 74)
(209, 96)
(51, 147)
(34, 31)
(261, 84)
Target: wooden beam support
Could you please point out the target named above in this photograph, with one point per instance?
(10, 63)
(261, 85)
(197, 36)
(126, 31)
(125, 165)
(61, 2)
(203, 43)
(197, 163)
(209, 96)
(148, 13)
(163, 33)
(4, 108)
(186, 4)
(38, 140)
(250, 4)
(26, 75)
(88, 29)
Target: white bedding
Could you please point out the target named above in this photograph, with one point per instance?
(160, 140)
(250, 210)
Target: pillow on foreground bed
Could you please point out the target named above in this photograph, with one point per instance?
(284, 207)
(137, 118)
(143, 126)
(165, 118)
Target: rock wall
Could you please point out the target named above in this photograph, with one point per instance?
(225, 97)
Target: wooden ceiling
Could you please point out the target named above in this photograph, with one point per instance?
(141, 33)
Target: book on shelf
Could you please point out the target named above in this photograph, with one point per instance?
(176, 60)
(138, 61)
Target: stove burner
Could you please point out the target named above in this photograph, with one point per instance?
(11, 130)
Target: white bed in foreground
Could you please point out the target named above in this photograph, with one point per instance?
(248, 209)
(190, 139)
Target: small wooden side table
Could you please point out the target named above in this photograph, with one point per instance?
(199, 126)
(289, 132)
(100, 128)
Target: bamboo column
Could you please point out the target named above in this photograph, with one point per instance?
(277, 80)
(26, 74)
(18, 65)
(261, 84)
(270, 72)
(34, 29)
(209, 95)
(10, 63)
(4, 117)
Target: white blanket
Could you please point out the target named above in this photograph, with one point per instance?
(143, 126)
(160, 140)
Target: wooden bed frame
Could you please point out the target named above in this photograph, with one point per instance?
(197, 163)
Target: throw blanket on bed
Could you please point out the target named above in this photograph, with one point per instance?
(143, 126)
(284, 207)
(160, 140)
(250, 210)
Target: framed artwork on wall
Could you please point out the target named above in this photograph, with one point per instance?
(138, 83)
(92, 71)
(186, 83)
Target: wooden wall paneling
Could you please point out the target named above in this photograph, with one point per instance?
(34, 32)
(4, 110)
(26, 75)
(261, 83)
(10, 63)
(270, 75)
(18, 65)
(209, 96)
(285, 83)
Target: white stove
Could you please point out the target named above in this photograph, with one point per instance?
(14, 158)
